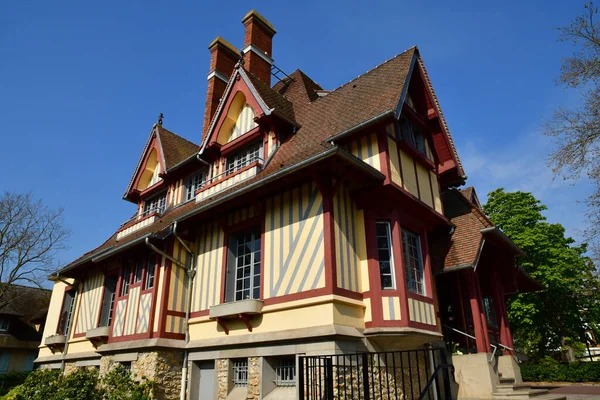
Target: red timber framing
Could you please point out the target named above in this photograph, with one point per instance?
(482, 339)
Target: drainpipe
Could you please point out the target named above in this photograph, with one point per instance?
(191, 272)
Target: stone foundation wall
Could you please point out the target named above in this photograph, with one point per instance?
(222, 379)
(254, 373)
(69, 368)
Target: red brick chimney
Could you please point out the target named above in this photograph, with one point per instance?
(223, 57)
(258, 45)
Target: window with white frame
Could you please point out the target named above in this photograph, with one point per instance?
(193, 183)
(244, 157)
(413, 259)
(4, 325)
(150, 272)
(244, 266)
(139, 269)
(240, 372)
(67, 312)
(126, 278)
(155, 204)
(384, 252)
(285, 372)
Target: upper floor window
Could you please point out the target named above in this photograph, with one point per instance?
(108, 301)
(413, 259)
(4, 325)
(150, 272)
(412, 134)
(139, 269)
(193, 183)
(155, 204)
(384, 250)
(243, 266)
(490, 312)
(66, 312)
(244, 157)
(126, 279)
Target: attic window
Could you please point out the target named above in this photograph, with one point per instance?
(244, 157)
(4, 325)
(410, 102)
(155, 204)
(412, 134)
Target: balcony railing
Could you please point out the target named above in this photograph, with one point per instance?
(230, 177)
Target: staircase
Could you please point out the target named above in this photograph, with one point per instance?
(508, 390)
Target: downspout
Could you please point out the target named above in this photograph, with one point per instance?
(191, 272)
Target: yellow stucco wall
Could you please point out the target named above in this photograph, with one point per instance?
(209, 266)
(91, 300)
(366, 148)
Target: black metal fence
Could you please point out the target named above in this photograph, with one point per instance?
(397, 375)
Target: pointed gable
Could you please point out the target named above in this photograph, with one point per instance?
(246, 100)
(163, 151)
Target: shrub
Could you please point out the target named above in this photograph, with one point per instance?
(11, 380)
(82, 384)
(549, 370)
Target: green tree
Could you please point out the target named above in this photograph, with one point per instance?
(554, 318)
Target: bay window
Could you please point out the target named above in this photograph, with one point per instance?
(384, 252)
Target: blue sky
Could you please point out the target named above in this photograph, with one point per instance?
(81, 84)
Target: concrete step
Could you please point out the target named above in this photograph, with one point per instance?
(547, 396)
(502, 388)
(506, 381)
(521, 394)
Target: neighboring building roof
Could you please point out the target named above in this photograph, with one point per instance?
(24, 301)
(376, 93)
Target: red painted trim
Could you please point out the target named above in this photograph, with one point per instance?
(416, 155)
(226, 177)
(224, 265)
(176, 313)
(486, 336)
(328, 235)
(418, 297)
(420, 325)
(157, 276)
(241, 141)
(153, 146)
(477, 325)
(308, 294)
(417, 179)
(438, 215)
(347, 293)
(399, 267)
(202, 313)
(373, 268)
(162, 316)
(172, 335)
(136, 336)
(154, 189)
(384, 155)
(245, 224)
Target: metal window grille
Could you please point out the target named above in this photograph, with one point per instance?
(413, 259)
(155, 204)
(247, 267)
(244, 158)
(126, 366)
(240, 372)
(3, 325)
(384, 249)
(194, 183)
(285, 372)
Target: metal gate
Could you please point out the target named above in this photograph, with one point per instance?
(396, 375)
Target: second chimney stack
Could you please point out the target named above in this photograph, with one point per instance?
(258, 45)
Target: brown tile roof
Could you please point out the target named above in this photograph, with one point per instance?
(369, 95)
(175, 148)
(24, 301)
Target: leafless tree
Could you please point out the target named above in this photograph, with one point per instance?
(577, 131)
(30, 235)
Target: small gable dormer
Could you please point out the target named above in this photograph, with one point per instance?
(238, 120)
(150, 175)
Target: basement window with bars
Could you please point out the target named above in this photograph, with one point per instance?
(384, 251)
(244, 157)
(240, 372)
(285, 372)
(413, 259)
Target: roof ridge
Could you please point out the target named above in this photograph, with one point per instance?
(366, 72)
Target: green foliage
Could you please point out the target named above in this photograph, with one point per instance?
(11, 380)
(549, 370)
(554, 319)
(82, 384)
(119, 385)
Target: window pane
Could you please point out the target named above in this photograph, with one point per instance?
(411, 244)
(384, 245)
(247, 265)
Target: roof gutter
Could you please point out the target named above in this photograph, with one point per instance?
(494, 231)
(370, 121)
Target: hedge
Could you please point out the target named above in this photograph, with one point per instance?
(10, 380)
(552, 371)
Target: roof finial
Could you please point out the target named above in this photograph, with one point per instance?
(160, 119)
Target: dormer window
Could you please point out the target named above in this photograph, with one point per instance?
(412, 134)
(193, 183)
(155, 204)
(246, 156)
